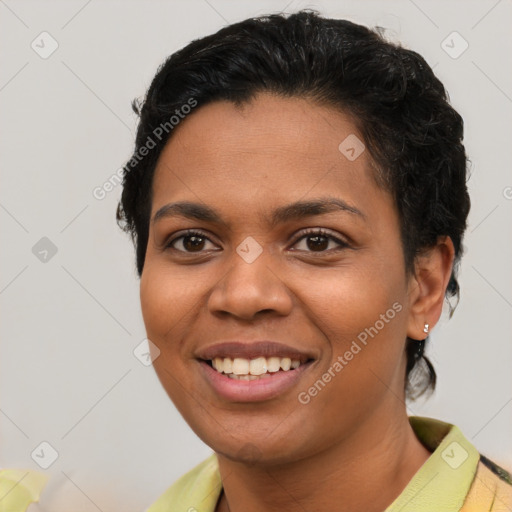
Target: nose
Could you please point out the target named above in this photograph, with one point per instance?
(247, 289)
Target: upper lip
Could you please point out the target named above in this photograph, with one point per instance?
(252, 350)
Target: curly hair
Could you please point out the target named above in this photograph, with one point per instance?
(412, 133)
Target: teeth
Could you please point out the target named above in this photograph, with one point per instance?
(240, 366)
(248, 377)
(245, 369)
(286, 363)
(227, 366)
(258, 366)
(273, 364)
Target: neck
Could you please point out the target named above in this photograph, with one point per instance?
(366, 471)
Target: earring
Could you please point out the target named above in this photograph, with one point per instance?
(425, 329)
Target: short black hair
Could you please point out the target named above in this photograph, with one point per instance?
(412, 133)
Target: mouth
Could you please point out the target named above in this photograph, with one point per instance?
(250, 372)
(239, 368)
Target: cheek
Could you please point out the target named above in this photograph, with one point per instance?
(169, 294)
(168, 303)
(362, 318)
(348, 301)
(156, 298)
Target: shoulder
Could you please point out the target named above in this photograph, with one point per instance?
(478, 482)
(503, 474)
(198, 489)
(19, 488)
(491, 489)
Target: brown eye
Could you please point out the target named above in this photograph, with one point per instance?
(190, 242)
(317, 243)
(193, 243)
(320, 241)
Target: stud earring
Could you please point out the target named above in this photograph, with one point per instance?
(425, 329)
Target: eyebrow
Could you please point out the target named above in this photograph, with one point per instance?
(293, 211)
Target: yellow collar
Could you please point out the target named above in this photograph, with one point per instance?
(441, 483)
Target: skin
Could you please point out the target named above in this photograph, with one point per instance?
(352, 443)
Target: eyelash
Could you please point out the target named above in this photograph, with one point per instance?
(307, 232)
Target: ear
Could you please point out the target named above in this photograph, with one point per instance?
(427, 287)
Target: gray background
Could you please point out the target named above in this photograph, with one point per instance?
(70, 324)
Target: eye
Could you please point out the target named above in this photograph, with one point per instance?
(191, 241)
(313, 240)
(318, 240)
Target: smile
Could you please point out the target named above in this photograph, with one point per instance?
(252, 369)
(243, 386)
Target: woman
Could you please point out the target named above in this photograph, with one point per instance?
(297, 198)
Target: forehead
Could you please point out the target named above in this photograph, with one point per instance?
(271, 147)
(268, 124)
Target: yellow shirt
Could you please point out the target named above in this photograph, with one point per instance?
(454, 478)
(19, 488)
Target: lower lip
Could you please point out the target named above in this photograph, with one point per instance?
(256, 390)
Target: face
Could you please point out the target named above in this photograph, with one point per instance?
(294, 257)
